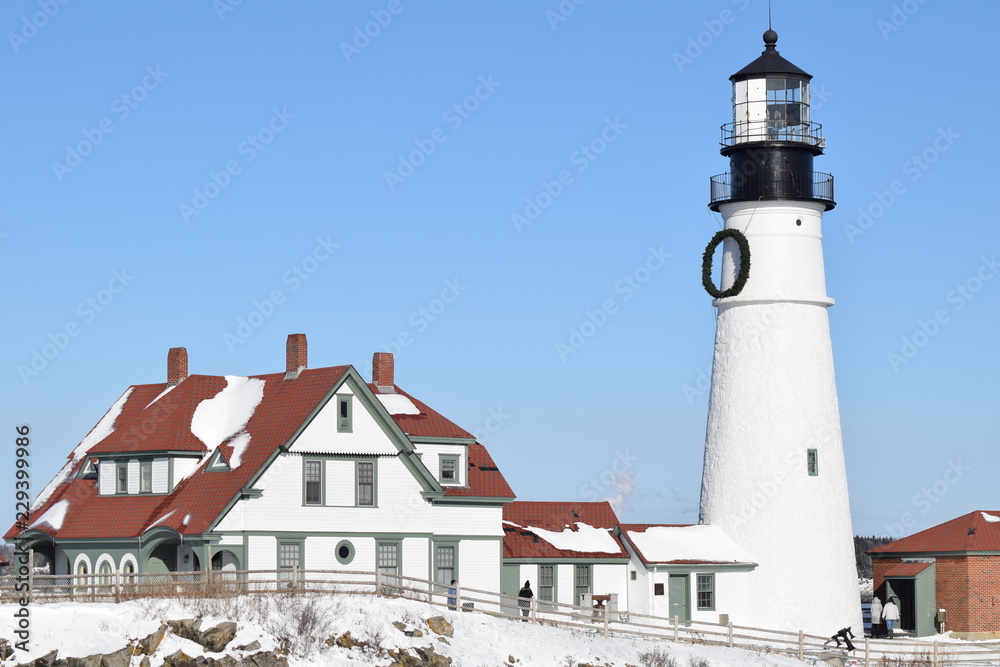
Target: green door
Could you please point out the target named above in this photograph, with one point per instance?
(678, 589)
(510, 585)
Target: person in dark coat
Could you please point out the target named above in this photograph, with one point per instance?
(453, 594)
(525, 602)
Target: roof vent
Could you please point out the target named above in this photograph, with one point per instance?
(972, 530)
(296, 355)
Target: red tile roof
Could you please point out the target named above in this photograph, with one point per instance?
(907, 569)
(197, 502)
(520, 542)
(429, 423)
(969, 532)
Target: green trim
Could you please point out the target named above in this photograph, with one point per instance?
(438, 499)
(555, 582)
(812, 462)
(587, 561)
(399, 554)
(702, 568)
(344, 420)
(170, 474)
(345, 560)
(698, 591)
(455, 459)
(146, 467)
(119, 466)
(577, 595)
(306, 460)
(357, 482)
(433, 561)
(428, 440)
(290, 540)
(218, 462)
(153, 454)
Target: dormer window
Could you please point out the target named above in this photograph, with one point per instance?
(145, 477)
(121, 477)
(449, 469)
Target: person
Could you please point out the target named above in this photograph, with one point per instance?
(845, 634)
(453, 595)
(890, 614)
(876, 616)
(525, 602)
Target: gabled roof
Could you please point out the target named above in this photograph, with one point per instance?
(428, 423)
(560, 530)
(156, 418)
(907, 569)
(975, 531)
(679, 544)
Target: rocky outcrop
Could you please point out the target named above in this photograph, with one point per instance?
(440, 626)
(148, 644)
(216, 639)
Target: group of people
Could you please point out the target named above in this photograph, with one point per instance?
(888, 614)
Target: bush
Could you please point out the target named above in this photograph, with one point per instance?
(658, 657)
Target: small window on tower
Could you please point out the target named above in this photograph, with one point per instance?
(812, 462)
(657, 589)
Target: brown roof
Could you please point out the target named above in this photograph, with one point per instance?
(520, 542)
(907, 569)
(969, 532)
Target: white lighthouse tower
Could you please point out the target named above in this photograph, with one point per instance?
(774, 478)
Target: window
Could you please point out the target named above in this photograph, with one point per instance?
(314, 482)
(631, 575)
(343, 414)
(657, 589)
(289, 558)
(146, 477)
(449, 469)
(344, 552)
(366, 483)
(547, 583)
(706, 591)
(121, 477)
(445, 557)
(388, 557)
(582, 580)
(812, 462)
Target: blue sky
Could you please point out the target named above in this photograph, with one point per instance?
(355, 171)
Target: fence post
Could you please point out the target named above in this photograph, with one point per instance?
(935, 662)
(802, 642)
(606, 610)
(675, 628)
(534, 609)
(866, 651)
(730, 624)
(378, 583)
(31, 572)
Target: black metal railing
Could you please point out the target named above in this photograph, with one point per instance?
(746, 131)
(813, 185)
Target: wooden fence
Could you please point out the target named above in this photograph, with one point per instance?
(118, 587)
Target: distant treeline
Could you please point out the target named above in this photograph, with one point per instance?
(864, 561)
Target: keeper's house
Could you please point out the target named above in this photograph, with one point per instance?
(949, 573)
(310, 468)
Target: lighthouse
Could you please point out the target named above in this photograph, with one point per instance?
(774, 477)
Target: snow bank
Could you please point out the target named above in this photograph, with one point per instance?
(661, 544)
(585, 538)
(397, 404)
(103, 429)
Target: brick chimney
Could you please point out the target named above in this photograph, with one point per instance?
(382, 369)
(177, 365)
(296, 355)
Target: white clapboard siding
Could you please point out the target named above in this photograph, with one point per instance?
(478, 565)
(567, 584)
(430, 454)
(466, 520)
(231, 540)
(366, 436)
(340, 481)
(133, 476)
(415, 555)
(610, 578)
(262, 552)
(184, 466)
(161, 470)
(106, 477)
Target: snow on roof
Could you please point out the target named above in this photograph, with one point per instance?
(102, 430)
(54, 516)
(990, 518)
(217, 419)
(585, 538)
(239, 445)
(663, 544)
(187, 519)
(163, 393)
(160, 520)
(397, 404)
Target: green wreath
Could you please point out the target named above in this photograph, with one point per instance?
(706, 263)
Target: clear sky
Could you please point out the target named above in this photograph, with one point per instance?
(512, 197)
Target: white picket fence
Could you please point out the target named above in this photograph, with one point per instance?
(604, 621)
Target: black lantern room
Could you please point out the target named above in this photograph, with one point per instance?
(772, 140)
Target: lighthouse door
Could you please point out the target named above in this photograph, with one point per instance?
(678, 589)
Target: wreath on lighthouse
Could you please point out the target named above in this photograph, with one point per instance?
(706, 263)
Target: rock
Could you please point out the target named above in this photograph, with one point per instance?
(178, 657)
(120, 658)
(6, 650)
(440, 626)
(188, 628)
(144, 662)
(151, 642)
(265, 659)
(346, 641)
(47, 660)
(431, 658)
(399, 626)
(216, 638)
(89, 661)
(511, 659)
(413, 633)
(444, 641)
(252, 646)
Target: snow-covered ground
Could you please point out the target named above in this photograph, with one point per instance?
(79, 629)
